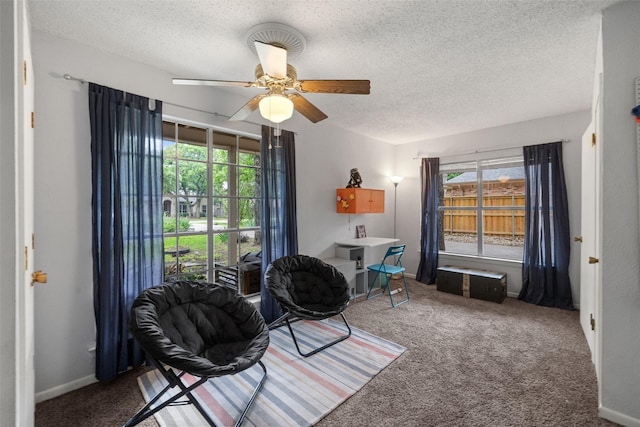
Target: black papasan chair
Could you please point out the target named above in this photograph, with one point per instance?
(307, 288)
(203, 329)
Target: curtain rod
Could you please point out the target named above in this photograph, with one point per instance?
(209, 112)
(419, 155)
(70, 77)
(83, 81)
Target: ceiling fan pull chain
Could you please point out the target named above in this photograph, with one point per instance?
(277, 133)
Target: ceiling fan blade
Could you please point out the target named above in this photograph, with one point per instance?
(247, 108)
(273, 59)
(357, 87)
(204, 82)
(307, 109)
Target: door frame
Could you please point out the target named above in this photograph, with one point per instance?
(591, 224)
(17, 390)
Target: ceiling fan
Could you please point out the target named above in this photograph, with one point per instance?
(283, 89)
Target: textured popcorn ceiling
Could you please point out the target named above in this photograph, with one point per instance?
(437, 67)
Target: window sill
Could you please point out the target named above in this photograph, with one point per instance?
(497, 261)
(255, 300)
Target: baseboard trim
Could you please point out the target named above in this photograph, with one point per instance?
(618, 418)
(64, 388)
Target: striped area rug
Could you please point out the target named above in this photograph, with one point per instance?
(298, 392)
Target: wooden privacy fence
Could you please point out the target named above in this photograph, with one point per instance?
(495, 222)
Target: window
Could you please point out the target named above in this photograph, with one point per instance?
(184, 208)
(206, 167)
(481, 208)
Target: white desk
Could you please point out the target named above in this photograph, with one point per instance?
(370, 250)
(368, 241)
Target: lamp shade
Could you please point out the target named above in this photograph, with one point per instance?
(276, 108)
(396, 179)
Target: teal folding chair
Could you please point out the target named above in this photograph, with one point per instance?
(385, 270)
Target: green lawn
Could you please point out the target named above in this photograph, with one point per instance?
(197, 246)
(198, 243)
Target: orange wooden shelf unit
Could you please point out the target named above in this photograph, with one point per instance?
(359, 200)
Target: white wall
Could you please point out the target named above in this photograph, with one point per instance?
(64, 320)
(620, 368)
(323, 162)
(490, 143)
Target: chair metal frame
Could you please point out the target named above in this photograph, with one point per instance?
(389, 270)
(174, 380)
(288, 315)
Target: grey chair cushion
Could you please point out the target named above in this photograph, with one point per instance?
(201, 328)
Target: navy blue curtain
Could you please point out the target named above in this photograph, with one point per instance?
(279, 221)
(430, 193)
(545, 268)
(126, 172)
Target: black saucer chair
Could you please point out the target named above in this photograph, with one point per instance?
(307, 288)
(203, 329)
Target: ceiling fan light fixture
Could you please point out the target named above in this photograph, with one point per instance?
(276, 108)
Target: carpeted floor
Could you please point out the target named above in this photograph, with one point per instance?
(468, 363)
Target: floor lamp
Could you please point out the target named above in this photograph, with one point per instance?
(396, 180)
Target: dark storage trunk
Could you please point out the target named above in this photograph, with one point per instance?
(472, 283)
(449, 279)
